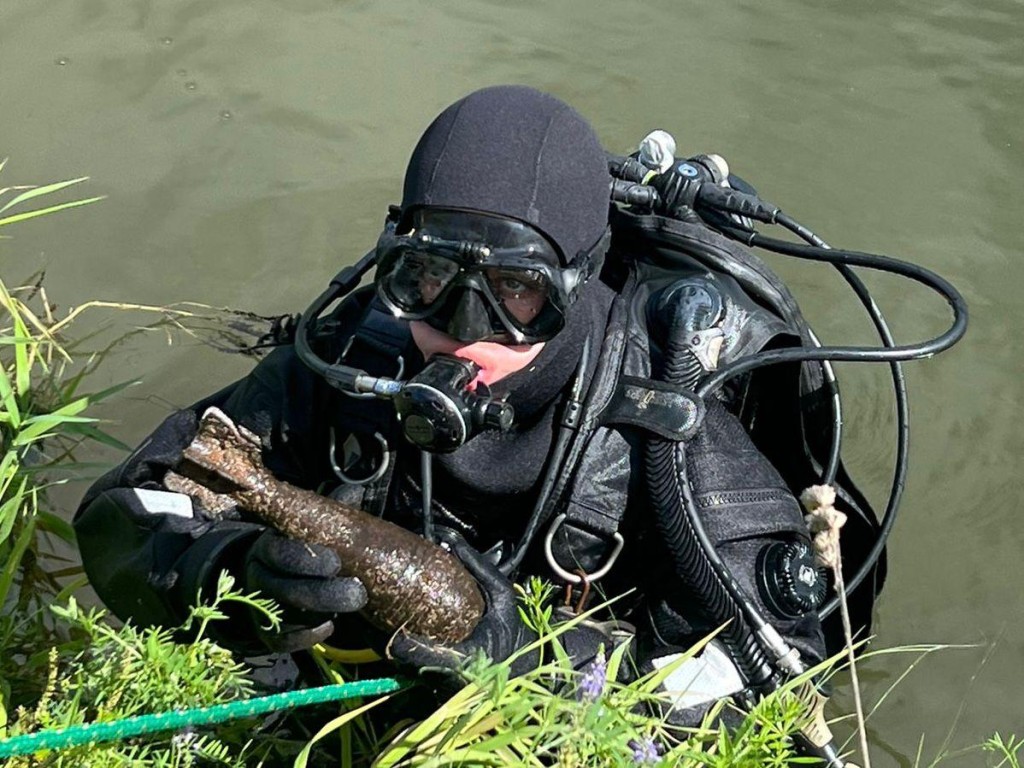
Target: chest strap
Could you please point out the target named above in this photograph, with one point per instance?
(584, 536)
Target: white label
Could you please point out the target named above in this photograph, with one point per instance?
(164, 502)
(709, 676)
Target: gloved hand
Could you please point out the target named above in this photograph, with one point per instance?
(499, 634)
(303, 579)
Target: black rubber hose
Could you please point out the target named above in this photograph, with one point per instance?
(901, 352)
(340, 376)
(899, 386)
(668, 490)
(569, 423)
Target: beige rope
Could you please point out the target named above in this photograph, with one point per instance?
(824, 521)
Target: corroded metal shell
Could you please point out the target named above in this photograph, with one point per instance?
(410, 582)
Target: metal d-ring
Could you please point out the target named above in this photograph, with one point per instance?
(573, 578)
(365, 395)
(377, 474)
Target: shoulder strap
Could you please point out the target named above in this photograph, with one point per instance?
(379, 343)
(583, 534)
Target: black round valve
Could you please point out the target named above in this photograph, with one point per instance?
(493, 414)
(791, 583)
(431, 418)
(439, 412)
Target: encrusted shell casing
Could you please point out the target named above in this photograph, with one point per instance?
(411, 583)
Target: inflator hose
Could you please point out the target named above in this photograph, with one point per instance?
(665, 475)
(691, 554)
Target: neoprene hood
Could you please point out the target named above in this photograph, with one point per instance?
(516, 152)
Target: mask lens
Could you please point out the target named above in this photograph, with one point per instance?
(416, 280)
(522, 293)
(514, 274)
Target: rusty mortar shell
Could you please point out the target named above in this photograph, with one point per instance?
(411, 583)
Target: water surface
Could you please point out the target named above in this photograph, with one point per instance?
(249, 149)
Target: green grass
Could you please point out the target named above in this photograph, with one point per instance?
(104, 673)
(61, 664)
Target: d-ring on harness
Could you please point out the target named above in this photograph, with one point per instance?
(575, 578)
(376, 475)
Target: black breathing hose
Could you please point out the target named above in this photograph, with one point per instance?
(695, 558)
(899, 387)
(897, 352)
(891, 353)
(749, 204)
(680, 528)
(344, 282)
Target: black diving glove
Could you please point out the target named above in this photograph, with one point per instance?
(500, 633)
(303, 579)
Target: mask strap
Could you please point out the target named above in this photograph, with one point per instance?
(584, 264)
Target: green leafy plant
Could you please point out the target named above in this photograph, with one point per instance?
(41, 423)
(106, 673)
(44, 421)
(1007, 749)
(556, 714)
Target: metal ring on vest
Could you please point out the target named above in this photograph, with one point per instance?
(573, 578)
(377, 474)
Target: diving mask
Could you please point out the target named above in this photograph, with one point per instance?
(475, 276)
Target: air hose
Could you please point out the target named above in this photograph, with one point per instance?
(675, 518)
(696, 560)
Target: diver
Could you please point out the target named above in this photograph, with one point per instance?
(522, 382)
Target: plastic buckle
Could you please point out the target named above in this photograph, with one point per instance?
(573, 578)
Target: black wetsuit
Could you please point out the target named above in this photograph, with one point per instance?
(147, 563)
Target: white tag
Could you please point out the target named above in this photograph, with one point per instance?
(709, 676)
(164, 502)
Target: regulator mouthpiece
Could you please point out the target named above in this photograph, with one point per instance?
(439, 412)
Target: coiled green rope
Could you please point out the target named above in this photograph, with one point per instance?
(93, 733)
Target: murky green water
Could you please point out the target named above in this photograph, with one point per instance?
(249, 148)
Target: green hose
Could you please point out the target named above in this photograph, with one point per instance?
(93, 733)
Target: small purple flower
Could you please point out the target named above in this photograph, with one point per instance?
(591, 684)
(645, 752)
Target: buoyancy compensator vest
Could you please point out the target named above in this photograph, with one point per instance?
(704, 347)
(775, 378)
(785, 410)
